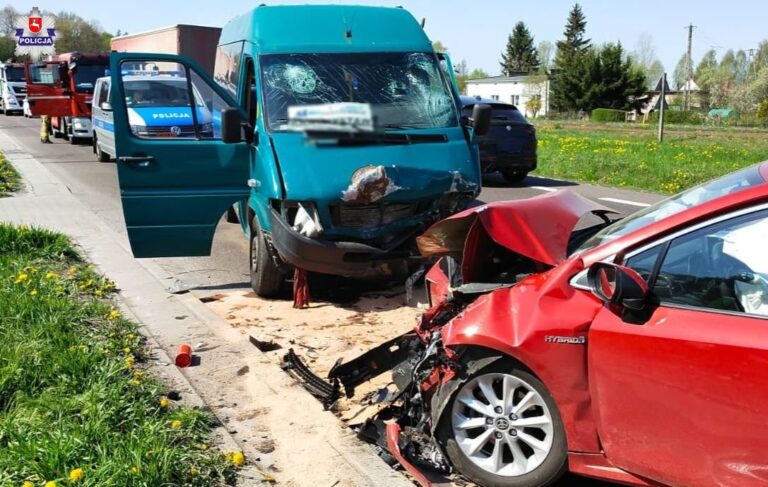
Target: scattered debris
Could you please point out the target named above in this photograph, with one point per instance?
(243, 370)
(215, 297)
(263, 346)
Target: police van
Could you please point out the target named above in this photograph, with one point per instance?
(158, 107)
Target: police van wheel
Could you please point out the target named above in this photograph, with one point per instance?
(266, 279)
(100, 154)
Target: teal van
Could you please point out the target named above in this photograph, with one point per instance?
(337, 137)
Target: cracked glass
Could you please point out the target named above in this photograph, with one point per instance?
(405, 90)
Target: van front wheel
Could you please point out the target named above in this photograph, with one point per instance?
(266, 279)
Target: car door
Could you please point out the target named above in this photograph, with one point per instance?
(48, 89)
(103, 123)
(177, 177)
(682, 397)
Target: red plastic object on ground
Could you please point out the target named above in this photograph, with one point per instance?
(184, 356)
(300, 289)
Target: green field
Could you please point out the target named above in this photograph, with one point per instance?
(78, 405)
(620, 155)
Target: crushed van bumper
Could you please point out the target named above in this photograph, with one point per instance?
(348, 259)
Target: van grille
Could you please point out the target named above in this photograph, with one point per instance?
(371, 216)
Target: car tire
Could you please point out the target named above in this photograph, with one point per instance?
(512, 176)
(64, 130)
(510, 464)
(266, 279)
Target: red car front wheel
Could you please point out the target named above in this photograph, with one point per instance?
(502, 429)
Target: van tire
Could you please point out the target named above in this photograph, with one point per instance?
(266, 279)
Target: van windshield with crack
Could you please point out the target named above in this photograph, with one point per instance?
(405, 90)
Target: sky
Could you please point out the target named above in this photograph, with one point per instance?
(477, 31)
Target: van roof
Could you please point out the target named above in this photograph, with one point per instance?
(327, 28)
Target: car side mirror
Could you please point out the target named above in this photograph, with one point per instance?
(481, 119)
(231, 125)
(618, 285)
(106, 106)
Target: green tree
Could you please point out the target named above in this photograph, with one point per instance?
(439, 46)
(77, 34)
(680, 74)
(545, 51)
(477, 73)
(569, 81)
(462, 73)
(616, 81)
(645, 58)
(520, 55)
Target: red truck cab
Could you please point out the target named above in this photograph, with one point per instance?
(62, 88)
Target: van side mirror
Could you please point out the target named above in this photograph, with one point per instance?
(481, 119)
(106, 106)
(231, 125)
(618, 285)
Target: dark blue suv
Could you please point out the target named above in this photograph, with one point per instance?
(510, 144)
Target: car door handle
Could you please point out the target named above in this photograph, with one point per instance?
(141, 161)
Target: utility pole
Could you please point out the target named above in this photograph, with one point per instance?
(689, 71)
(751, 65)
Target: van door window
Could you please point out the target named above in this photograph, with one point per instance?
(103, 94)
(165, 102)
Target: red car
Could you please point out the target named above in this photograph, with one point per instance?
(635, 351)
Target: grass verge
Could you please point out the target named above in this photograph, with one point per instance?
(9, 178)
(634, 159)
(77, 406)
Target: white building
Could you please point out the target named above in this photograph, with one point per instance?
(517, 90)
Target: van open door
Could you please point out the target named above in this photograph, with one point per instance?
(48, 88)
(179, 166)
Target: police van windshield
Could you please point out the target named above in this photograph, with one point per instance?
(86, 75)
(15, 74)
(405, 90)
(146, 93)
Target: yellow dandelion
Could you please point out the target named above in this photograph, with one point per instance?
(131, 336)
(136, 382)
(113, 315)
(72, 270)
(238, 458)
(33, 292)
(21, 278)
(135, 470)
(76, 474)
(127, 350)
(98, 292)
(129, 361)
(59, 289)
(203, 446)
(51, 275)
(27, 483)
(164, 402)
(83, 348)
(175, 424)
(51, 483)
(194, 471)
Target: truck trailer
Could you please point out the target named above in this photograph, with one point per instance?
(193, 41)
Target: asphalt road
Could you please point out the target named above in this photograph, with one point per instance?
(95, 184)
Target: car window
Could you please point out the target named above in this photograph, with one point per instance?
(103, 93)
(720, 267)
(500, 112)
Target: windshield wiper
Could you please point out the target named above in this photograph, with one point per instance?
(346, 138)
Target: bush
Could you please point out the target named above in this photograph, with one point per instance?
(762, 112)
(608, 115)
(684, 118)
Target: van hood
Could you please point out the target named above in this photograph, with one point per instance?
(365, 174)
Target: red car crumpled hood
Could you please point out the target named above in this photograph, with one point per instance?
(537, 228)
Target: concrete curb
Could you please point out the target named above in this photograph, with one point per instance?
(231, 373)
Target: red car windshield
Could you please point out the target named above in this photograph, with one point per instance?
(730, 183)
